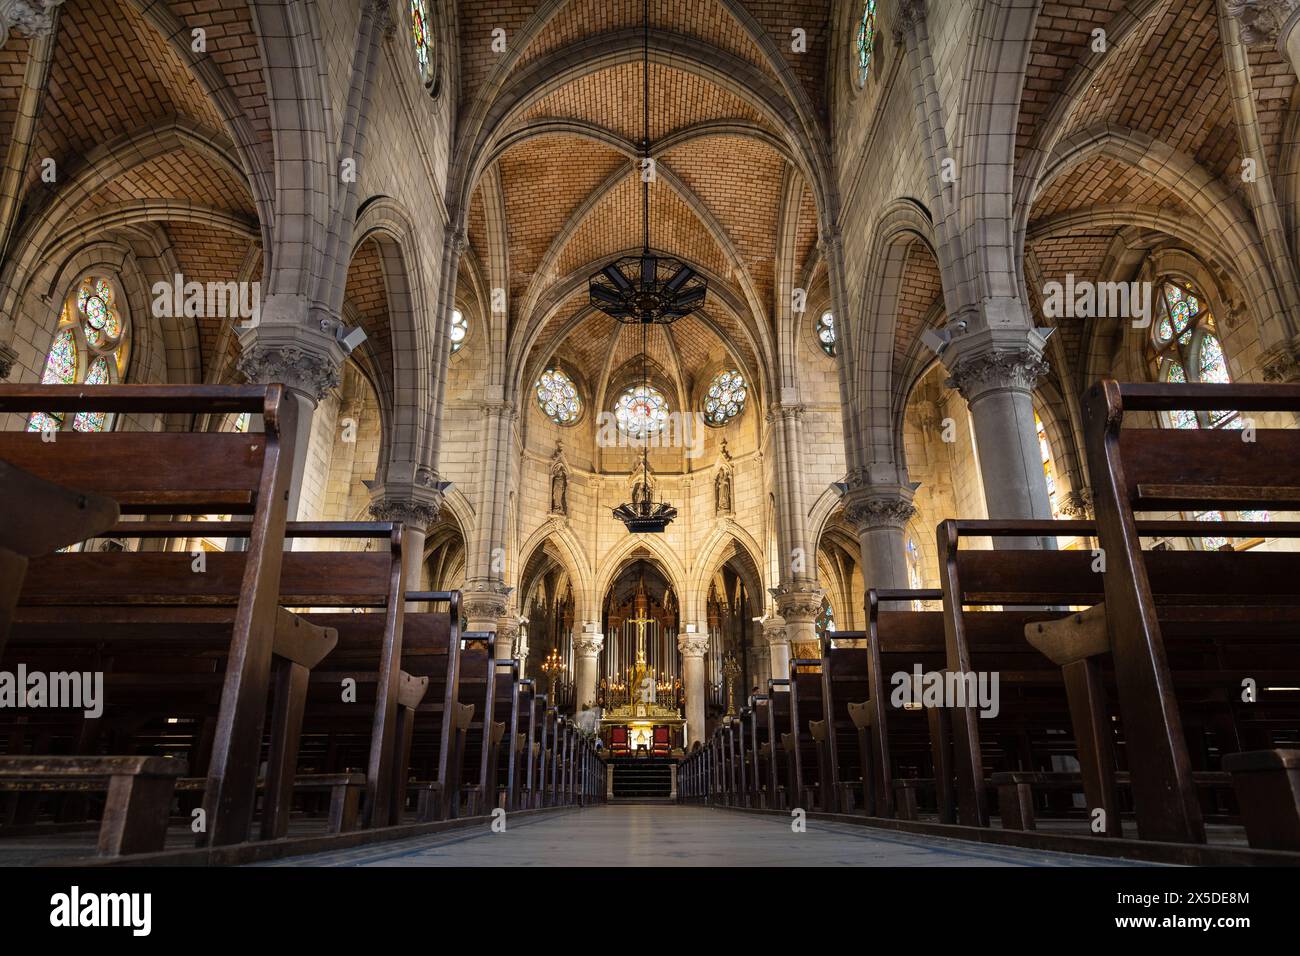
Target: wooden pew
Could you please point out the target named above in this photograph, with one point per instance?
(1227, 614)
(38, 517)
(1137, 470)
(761, 745)
(139, 793)
(169, 473)
(523, 733)
(810, 742)
(783, 771)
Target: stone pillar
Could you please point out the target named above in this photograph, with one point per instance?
(799, 607)
(996, 371)
(483, 608)
(417, 509)
(778, 649)
(693, 647)
(1274, 23)
(283, 347)
(881, 513)
(586, 664)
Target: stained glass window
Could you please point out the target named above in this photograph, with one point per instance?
(93, 421)
(1188, 349)
(459, 329)
(1049, 464)
(826, 333)
(725, 398)
(825, 621)
(865, 42)
(641, 411)
(89, 346)
(558, 397)
(422, 39)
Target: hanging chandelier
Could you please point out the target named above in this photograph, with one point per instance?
(646, 290)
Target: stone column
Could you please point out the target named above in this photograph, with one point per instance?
(282, 347)
(1274, 23)
(483, 608)
(799, 606)
(586, 664)
(693, 647)
(996, 371)
(417, 509)
(881, 513)
(778, 649)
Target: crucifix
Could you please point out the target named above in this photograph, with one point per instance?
(640, 623)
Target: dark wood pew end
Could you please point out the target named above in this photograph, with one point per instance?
(1267, 783)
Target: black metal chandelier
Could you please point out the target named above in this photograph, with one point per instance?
(646, 290)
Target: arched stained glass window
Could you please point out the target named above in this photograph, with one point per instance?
(1049, 464)
(725, 398)
(826, 333)
(422, 40)
(558, 397)
(1187, 348)
(90, 346)
(459, 329)
(825, 622)
(641, 411)
(865, 42)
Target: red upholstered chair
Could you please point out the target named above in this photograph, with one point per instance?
(618, 741)
(662, 741)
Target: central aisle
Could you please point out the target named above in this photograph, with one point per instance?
(682, 836)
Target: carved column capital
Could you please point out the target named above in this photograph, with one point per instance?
(996, 368)
(693, 645)
(31, 18)
(908, 15)
(8, 356)
(774, 630)
(1078, 505)
(1263, 21)
(312, 374)
(484, 603)
(798, 603)
(589, 644)
(1280, 365)
(413, 514)
(869, 504)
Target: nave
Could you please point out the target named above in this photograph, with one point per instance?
(675, 836)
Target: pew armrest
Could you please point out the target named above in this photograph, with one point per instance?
(1072, 638)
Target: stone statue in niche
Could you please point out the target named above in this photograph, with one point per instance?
(559, 482)
(722, 496)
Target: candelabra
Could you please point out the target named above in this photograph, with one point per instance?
(553, 667)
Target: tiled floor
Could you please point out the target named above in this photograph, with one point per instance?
(682, 836)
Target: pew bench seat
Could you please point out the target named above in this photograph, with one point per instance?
(1267, 783)
(344, 789)
(139, 789)
(1016, 788)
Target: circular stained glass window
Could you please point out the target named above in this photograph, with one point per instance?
(865, 42)
(459, 329)
(725, 398)
(558, 397)
(641, 411)
(826, 333)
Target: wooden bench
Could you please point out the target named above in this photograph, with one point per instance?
(1140, 469)
(1267, 783)
(139, 792)
(344, 790)
(177, 473)
(1220, 616)
(38, 517)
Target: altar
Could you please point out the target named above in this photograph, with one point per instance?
(642, 709)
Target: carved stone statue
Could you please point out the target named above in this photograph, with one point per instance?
(722, 493)
(559, 493)
(559, 482)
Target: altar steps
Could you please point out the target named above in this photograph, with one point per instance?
(640, 779)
